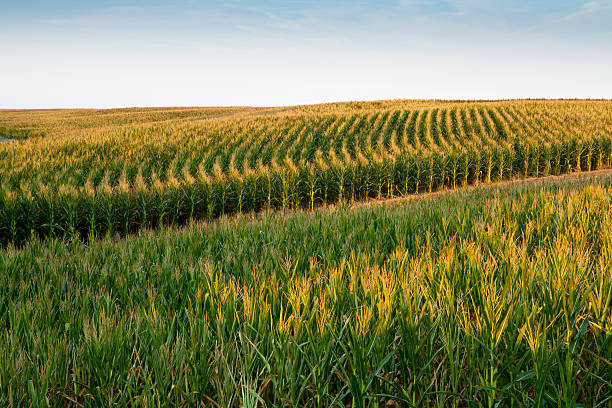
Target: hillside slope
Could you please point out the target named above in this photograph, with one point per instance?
(97, 172)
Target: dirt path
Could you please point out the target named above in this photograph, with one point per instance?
(462, 189)
(414, 197)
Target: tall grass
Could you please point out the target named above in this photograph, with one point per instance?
(496, 296)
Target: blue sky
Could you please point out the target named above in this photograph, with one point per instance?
(107, 53)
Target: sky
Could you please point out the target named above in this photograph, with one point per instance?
(109, 53)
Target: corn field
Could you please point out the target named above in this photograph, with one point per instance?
(78, 174)
(492, 296)
(133, 271)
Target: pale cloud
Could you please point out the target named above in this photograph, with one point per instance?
(291, 23)
(247, 29)
(587, 9)
(458, 13)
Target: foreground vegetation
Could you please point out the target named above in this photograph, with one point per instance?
(119, 171)
(497, 296)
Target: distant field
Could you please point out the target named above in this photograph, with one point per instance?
(493, 296)
(89, 172)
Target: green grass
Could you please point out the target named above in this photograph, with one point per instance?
(18, 134)
(492, 296)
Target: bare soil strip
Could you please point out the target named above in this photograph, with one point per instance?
(518, 181)
(403, 199)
